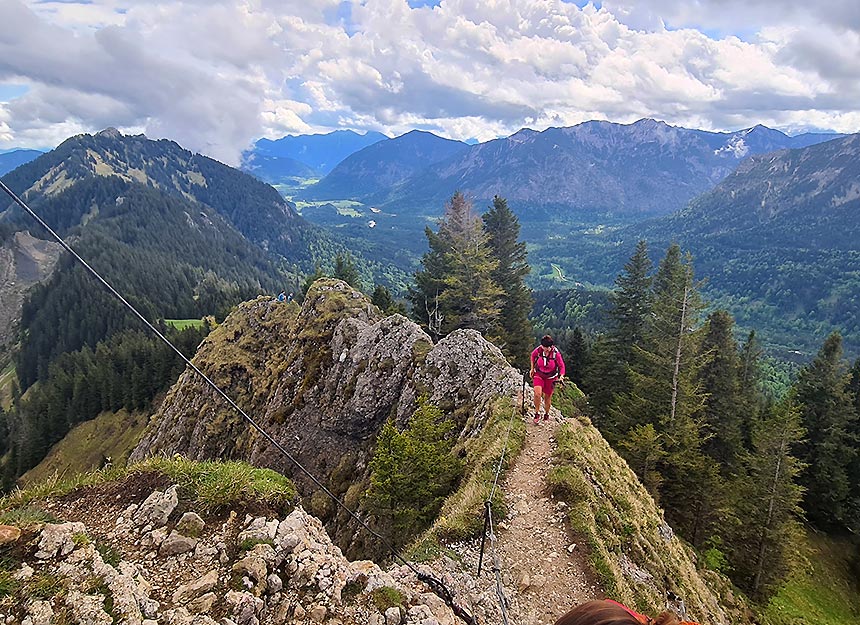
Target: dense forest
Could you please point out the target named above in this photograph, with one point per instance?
(170, 257)
(128, 370)
(736, 465)
(738, 456)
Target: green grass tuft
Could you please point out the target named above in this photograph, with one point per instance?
(209, 485)
(249, 543)
(8, 584)
(387, 597)
(26, 516)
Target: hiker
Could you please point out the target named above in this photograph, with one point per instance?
(282, 297)
(547, 369)
(609, 612)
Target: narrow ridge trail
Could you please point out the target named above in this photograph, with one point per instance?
(535, 542)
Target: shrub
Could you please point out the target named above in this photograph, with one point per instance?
(386, 597)
(413, 471)
(109, 554)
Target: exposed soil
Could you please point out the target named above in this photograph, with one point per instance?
(536, 545)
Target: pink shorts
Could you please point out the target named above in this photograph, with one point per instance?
(546, 385)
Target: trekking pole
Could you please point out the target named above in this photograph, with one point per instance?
(524, 394)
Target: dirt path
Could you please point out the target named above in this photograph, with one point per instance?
(535, 544)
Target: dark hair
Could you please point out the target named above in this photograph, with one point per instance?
(546, 341)
(609, 613)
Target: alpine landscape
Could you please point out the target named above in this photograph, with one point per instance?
(279, 281)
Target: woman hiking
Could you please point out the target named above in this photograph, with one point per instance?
(547, 369)
(609, 612)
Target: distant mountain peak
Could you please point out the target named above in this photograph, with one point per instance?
(110, 133)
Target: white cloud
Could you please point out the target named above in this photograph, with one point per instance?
(215, 75)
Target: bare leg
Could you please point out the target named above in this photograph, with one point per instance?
(538, 394)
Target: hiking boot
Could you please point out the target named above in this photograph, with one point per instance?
(537, 418)
(546, 416)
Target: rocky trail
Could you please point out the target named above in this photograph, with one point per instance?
(549, 569)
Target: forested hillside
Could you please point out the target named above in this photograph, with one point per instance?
(179, 235)
(778, 240)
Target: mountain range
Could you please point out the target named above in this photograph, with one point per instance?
(583, 195)
(778, 239)
(630, 170)
(319, 153)
(382, 166)
(11, 159)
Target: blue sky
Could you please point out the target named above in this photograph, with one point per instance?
(215, 75)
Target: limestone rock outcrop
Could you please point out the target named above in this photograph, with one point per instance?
(322, 380)
(246, 570)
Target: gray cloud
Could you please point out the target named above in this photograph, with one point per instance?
(216, 75)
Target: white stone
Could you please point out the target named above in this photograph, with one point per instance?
(392, 616)
(57, 540)
(156, 509)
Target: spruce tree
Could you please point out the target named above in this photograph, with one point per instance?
(719, 382)
(854, 467)
(503, 230)
(829, 418)
(345, 269)
(631, 305)
(430, 285)
(577, 356)
(752, 399)
(455, 287)
(768, 503)
(665, 393)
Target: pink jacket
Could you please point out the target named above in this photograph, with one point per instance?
(548, 367)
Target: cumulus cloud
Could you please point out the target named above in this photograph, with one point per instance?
(215, 75)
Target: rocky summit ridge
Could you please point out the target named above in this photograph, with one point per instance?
(322, 379)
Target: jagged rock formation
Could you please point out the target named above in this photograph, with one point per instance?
(156, 560)
(24, 261)
(322, 380)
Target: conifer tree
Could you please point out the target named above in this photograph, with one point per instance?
(665, 393)
(631, 305)
(383, 299)
(577, 356)
(829, 418)
(854, 385)
(430, 285)
(455, 287)
(345, 269)
(854, 468)
(719, 382)
(752, 398)
(503, 230)
(768, 503)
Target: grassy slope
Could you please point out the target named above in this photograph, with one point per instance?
(212, 485)
(110, 435)
(181, 324)
(823, 592)
(7, 379)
